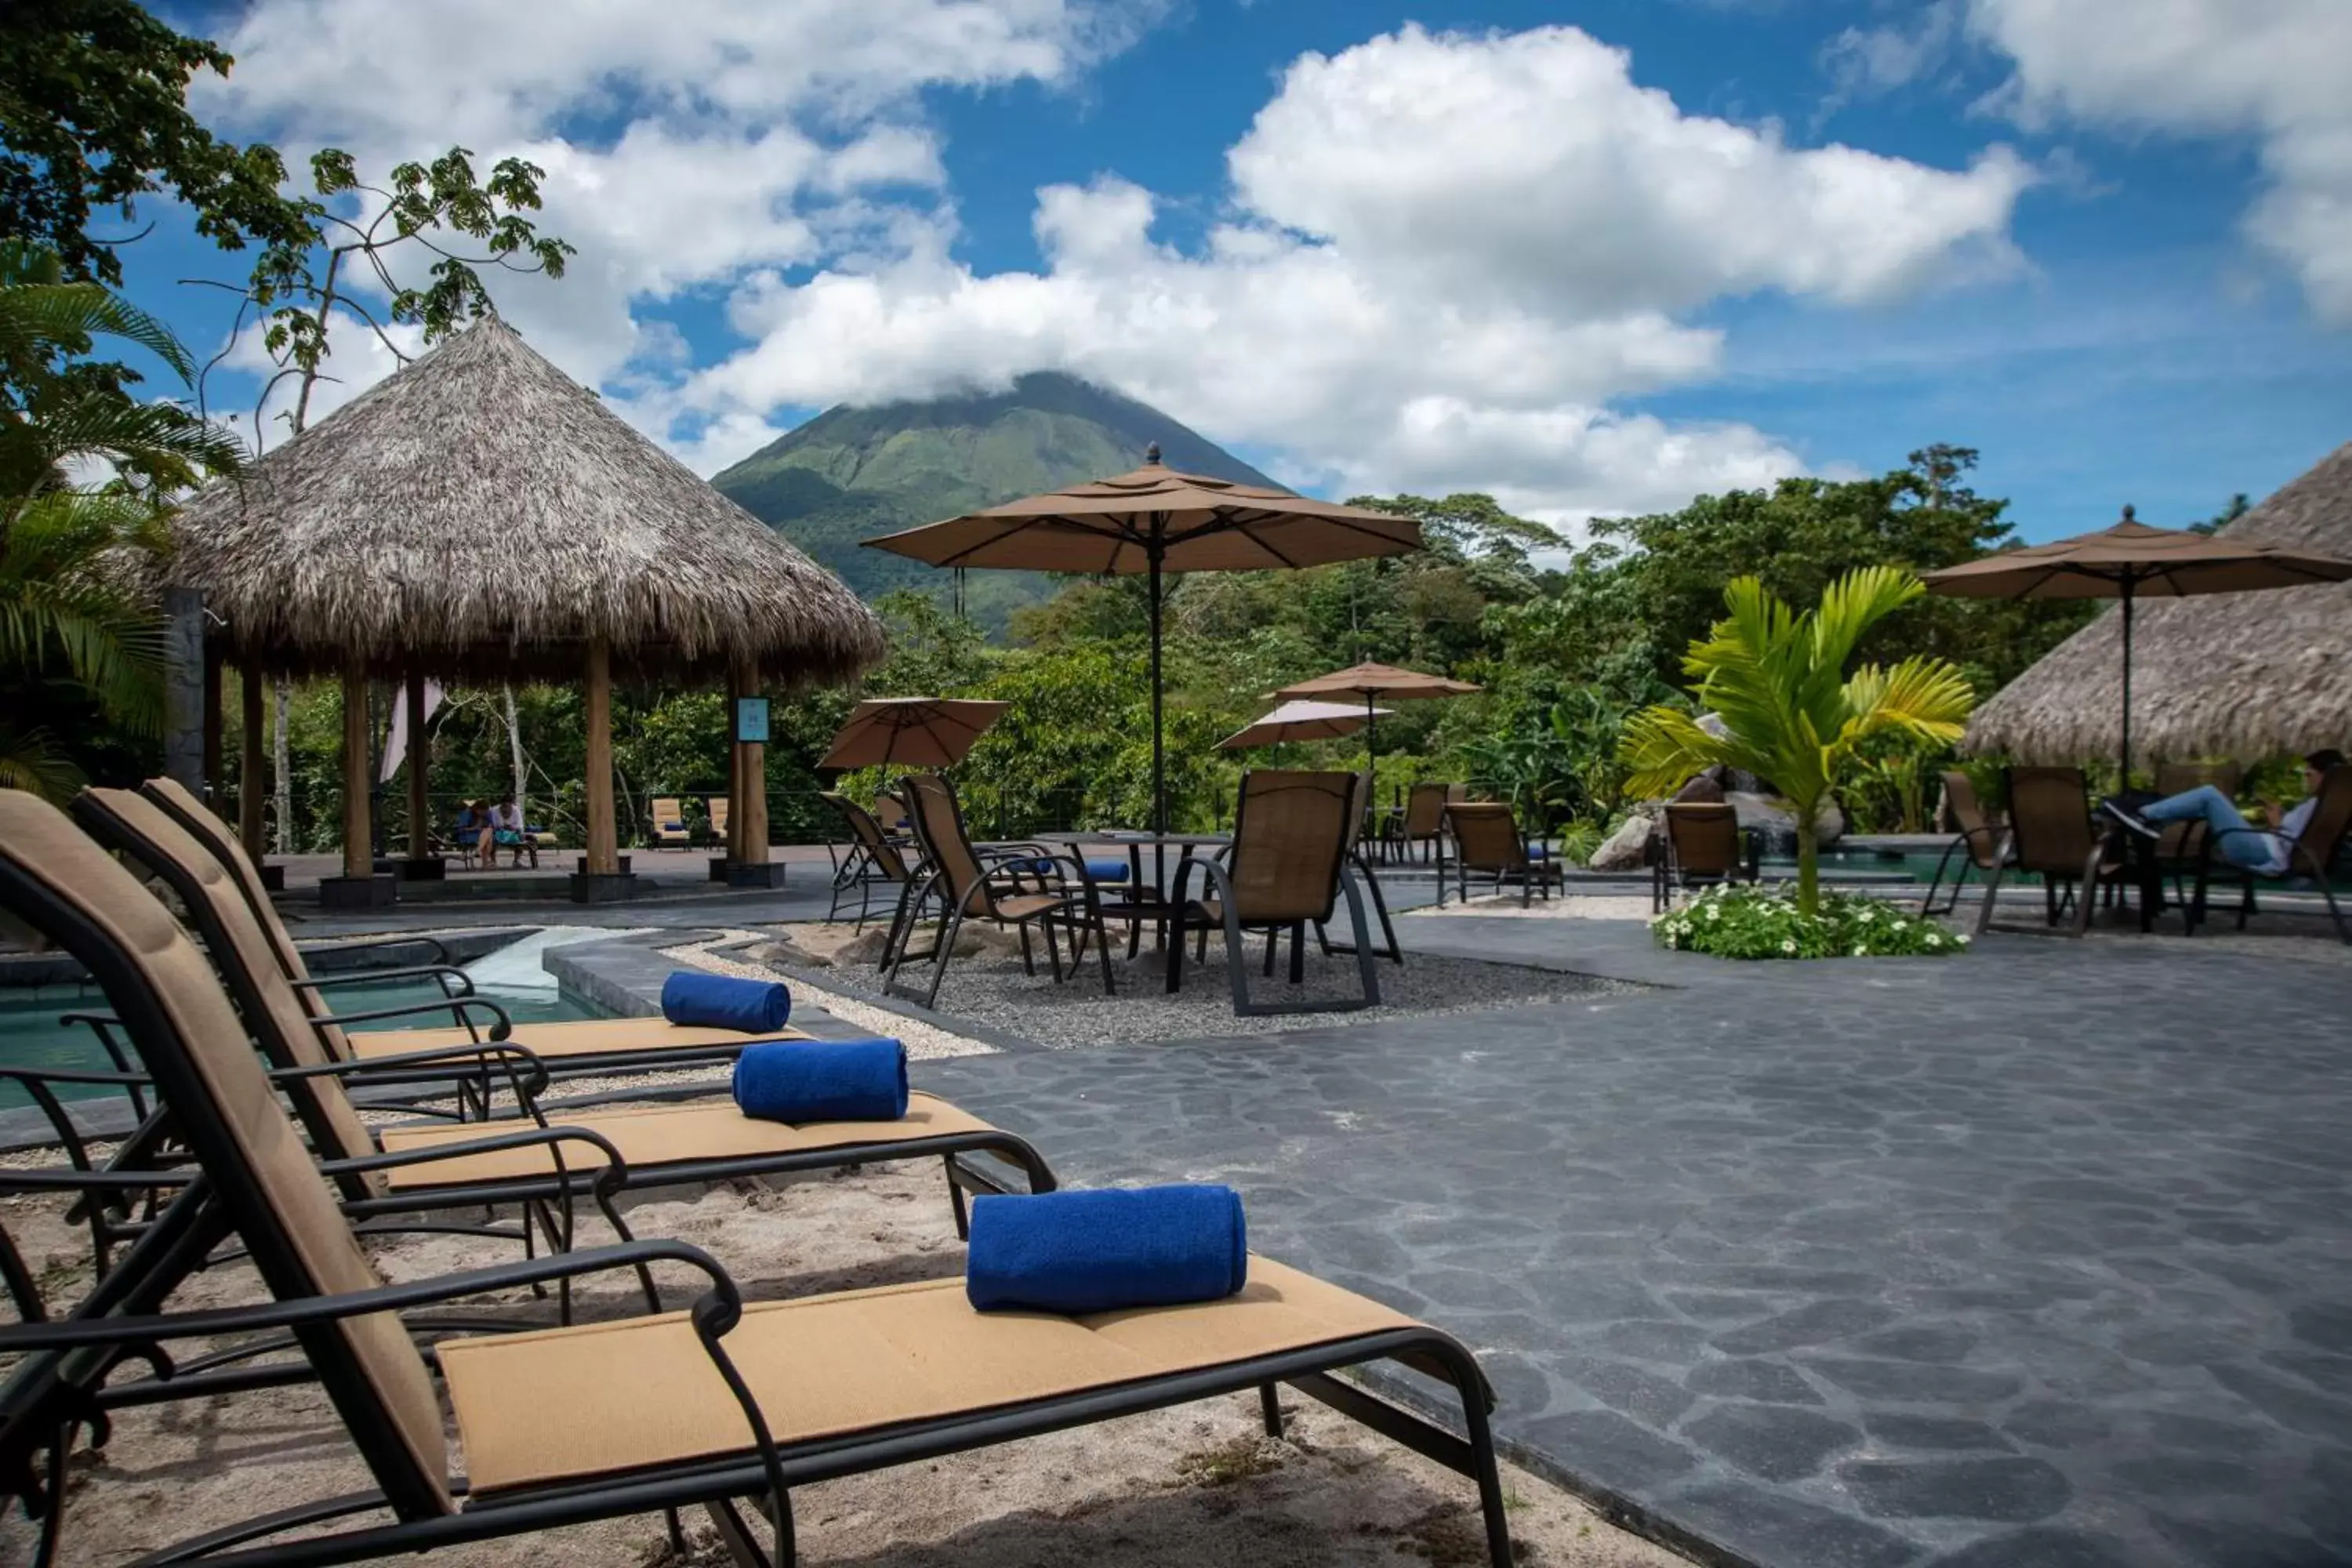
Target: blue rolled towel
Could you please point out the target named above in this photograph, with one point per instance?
(1107, 870)
(1100, 1251)
(823, 1081)
(724, 1001)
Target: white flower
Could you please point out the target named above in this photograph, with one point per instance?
(1962, 939)
(1712, 913)
(1935, 941)
(1787, 945)
(1866, 917)
(1861, 953)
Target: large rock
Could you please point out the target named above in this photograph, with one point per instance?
(1769, 816)
(783, 950)
(865, 948)
(1623, 849)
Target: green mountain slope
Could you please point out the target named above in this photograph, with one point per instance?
(852, 473)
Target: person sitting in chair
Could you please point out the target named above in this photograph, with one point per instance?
(471, 831)
(507, 831)
(2262, 850)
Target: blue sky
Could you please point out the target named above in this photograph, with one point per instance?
(1437, 245)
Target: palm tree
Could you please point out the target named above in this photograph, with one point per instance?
(72, 560)
(1789, 712)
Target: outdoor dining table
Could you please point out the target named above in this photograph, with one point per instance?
(1148, 903)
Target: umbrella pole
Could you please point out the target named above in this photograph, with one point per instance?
(1159, 771)
(2123, 782)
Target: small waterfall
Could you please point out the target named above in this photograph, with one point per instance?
(517, 966)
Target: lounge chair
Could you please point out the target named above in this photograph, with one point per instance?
(2311, 854)
(1978, 843)
(411, 1169)
(871, 859)
(717, 806)
(1701, 842)
(585, 1046)
(720, 1403)
(1286, 870)
(1486, 840)
(969, 884)
(666, 820)
(2050, 833)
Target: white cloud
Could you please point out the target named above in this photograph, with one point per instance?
(1866, 62)
(2272, 70)
(1446, 256)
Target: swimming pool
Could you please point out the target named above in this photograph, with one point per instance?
(30, 1034)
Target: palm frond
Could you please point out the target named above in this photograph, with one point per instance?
(30, 761)
(1664, 746)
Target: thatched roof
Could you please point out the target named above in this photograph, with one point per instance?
(481, 514)
(2234, 675)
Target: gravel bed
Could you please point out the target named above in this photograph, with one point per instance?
(995, 993)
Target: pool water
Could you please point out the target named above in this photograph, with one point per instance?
(31, 1037)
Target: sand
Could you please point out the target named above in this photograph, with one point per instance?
(1197, 1486)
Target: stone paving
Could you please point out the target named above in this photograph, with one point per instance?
(2040, 1257)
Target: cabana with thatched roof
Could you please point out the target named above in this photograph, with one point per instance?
(2226, 675)
(481, 516)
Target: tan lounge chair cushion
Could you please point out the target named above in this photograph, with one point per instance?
(578, 1038)
(603, 1399)
(662, 1135)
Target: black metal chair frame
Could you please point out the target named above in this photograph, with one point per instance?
(1362, 862)
(2302, 860)
(2063, 888)
(768, 1471)
(869, 859)
(1001, 872)
(1534, 873)
(1188, 914)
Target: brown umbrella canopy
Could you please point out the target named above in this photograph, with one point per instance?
(1153, 521)
(2132, 561)
(1370, 680)
(1301, 721)
(911, 732)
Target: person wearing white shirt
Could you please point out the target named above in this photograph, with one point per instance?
(507, 831)
(2264, 850)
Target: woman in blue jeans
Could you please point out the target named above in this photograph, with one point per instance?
(2258, 850)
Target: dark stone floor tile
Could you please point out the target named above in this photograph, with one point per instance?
(2015, 1491)
(1912, 1382)
(1709, 1307)
(1646, 1339)
(1778, 1442)
(1811, 1324)
(2174, 1474)
(2238, 1544)
(1608, 1448)
(2057, 1424)
(1770, 1527)
(2327, 1325)
(1935, 1432)
(2287, 1403)
(1761, 1379)
(1924, 1341)
(2041, 1548)
(1645, 1397)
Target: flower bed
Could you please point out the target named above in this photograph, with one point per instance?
(1764, 922)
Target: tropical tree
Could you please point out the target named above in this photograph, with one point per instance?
(1789, 712)
(71, 594)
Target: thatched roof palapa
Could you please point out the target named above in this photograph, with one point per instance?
(481, 515)
(2237, 675)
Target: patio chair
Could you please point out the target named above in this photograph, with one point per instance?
(1285, 871)
(412, 1169)
(2311, 854)
(971, 885)
(666, 820)
(717, 806)
(2052, 834)
(890, 812)
(1363, 863)
(2181, 847)
(572, 1048)
(1978, 843)
(1423, 825)
(725, 1402)
(1700, 842)
(1486, 840)
(868, 861)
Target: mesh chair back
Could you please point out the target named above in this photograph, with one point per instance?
(2049, 815)
(2180, 778)
(2332, 817)
(718, 804)
(192, 1040)
(1424, 810)
(1703, 837)
(868, 834)
(1960, 794)
(1486, 836)
(938, 821)
(1290, 840)
(200, 824)
(890, 806)
(668, 817)
(1358, 803)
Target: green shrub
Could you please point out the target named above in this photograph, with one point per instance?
(1765, 922)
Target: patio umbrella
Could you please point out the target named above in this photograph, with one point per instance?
(913, 732)
(1370, 680)
(1153, 521)
(1301, 721)
(2132, 561)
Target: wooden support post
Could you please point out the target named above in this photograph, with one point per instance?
(359, 852)
(754, 806)
(734, 845)
(603, 858)
(215, 746)
(252, 770)
(420, 838)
